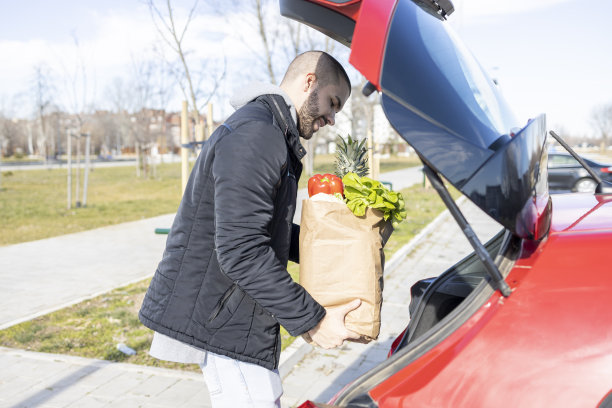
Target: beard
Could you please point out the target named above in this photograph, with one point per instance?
(308, 113)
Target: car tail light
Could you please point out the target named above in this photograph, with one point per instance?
(310, 404)
(396, 343)
(606, 169)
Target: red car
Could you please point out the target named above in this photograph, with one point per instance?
(526, 320)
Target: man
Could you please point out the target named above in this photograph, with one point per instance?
(222, 287)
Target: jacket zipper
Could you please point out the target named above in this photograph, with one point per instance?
(222, 302)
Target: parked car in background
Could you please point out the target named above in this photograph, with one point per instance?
(565, 173)
(525, 320)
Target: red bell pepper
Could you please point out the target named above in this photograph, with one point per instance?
(326, 183)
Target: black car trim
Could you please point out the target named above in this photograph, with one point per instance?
(411, 333)
(606, 402)
(329, 22)
(440, 9)
(467, 230)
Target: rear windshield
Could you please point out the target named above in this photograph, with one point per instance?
(443, 92)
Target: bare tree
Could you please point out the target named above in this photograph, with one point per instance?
(42, 91)
(602, 119)
(267, 45)
(3, 139)
(118, 94)
(79, 89)
(273, 43)
(173, 35)
(80, 92)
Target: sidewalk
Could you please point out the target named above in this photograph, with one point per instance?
(29, 379)
(41, 276)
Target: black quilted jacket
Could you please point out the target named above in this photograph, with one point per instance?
(222, 284)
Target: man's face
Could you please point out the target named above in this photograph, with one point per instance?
(320, 108)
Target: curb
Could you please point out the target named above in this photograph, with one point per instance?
(293, 355)
(98, 364)
(32, 316)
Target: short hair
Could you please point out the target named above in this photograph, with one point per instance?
(324, 66)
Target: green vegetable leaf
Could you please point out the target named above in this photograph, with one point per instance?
(363, 192)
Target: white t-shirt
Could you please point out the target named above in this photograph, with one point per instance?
(169, 349)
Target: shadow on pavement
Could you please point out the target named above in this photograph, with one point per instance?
(367, 360)
(57, 387)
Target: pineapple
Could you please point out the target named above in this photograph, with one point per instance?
(351, 156)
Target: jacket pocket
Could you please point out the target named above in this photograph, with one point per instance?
(225, 308)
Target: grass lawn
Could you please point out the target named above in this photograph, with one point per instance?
(325, 163)
(33, 202)
(93, 328)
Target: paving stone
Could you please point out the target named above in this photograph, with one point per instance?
(153, 386)
(94, 401)
(29, 399)
(199, 399)
(123, 383)
(185, 393)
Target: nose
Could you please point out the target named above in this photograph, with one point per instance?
(331, 118)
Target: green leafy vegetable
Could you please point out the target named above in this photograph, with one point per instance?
(363, 192)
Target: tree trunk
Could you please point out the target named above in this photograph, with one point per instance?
(0, 165)
(78, 165)
(69, 166)
(87, 162)
(137, 148)
(264, 39)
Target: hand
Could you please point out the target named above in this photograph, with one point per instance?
(331, 332)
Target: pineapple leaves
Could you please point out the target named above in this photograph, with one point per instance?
(351, 157)
(363, 192)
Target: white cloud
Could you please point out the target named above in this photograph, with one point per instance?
(114, 40)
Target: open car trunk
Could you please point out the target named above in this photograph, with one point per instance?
(443, 104)
(438, 307)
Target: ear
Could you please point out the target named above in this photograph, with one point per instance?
(309, 81)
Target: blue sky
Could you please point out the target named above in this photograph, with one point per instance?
(549, 56)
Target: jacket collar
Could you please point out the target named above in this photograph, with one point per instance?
(281, 111)
(281, 107)
(255, 89)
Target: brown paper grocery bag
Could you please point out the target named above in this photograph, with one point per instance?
(342, 258)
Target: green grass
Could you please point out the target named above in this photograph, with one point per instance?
(93, 328)
(22, 159)
(324, 163)
(33, 203)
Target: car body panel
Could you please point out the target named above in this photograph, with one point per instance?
(598, 217)
(369, 39)
(548, 344)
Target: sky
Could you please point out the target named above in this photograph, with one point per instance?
(549, 56)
